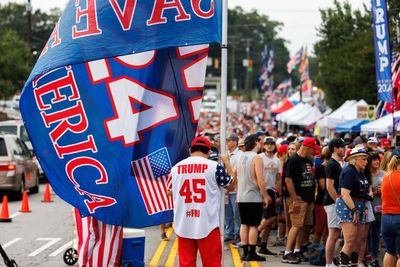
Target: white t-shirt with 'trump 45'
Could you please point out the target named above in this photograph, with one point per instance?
(196, 185)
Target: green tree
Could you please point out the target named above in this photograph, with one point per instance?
(345, 55)
(14, 16)
(15, 57)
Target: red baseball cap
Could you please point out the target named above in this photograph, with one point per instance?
(282, 149)
(310, 142)
(385, 143)
(201, 141)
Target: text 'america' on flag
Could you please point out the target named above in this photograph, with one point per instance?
(112, 88)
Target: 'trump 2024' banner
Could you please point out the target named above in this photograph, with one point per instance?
(113, 102)
(382, 50)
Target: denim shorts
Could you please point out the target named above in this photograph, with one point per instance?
(344, 213)
(390, 229)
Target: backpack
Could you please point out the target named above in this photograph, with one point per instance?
(316, 254)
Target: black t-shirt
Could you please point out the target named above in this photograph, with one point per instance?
(299, 169)
(332, 171)
(319, 174)
(354, 181)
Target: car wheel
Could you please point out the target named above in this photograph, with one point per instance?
(35, 189)
(21, 189)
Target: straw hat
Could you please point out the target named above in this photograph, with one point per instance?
(356, 152)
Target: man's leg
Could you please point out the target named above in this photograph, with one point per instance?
(211, 249)
(244, 239)
(236, 215)
(229, 223)
(333, 237)
(187, 251)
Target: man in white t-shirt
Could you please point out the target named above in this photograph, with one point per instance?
(232, 216)
(272, 171)
(196, 186)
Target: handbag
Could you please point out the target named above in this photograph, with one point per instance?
(394, 193)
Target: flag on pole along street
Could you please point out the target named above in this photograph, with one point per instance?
(396, 70)
(117, 82)
(266, 77)
(382, 50)
(264, 72)
(295, 60)
(284, 84)
(304, 62)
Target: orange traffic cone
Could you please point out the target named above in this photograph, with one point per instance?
(25, 203)
(5, 216)
(47, 195)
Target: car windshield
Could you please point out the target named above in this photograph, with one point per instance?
(8, 129)
(3, 148)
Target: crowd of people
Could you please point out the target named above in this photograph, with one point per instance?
(314, 192)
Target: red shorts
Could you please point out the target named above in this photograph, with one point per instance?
(210, 249)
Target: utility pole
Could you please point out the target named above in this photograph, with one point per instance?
(29, 16)
(247, 86)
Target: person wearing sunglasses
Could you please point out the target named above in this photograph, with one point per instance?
(350, 205)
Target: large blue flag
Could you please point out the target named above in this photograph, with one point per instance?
(114, 99)
(382, 50)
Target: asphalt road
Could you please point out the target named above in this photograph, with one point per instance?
(40, 237)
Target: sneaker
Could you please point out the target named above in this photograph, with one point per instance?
(254, 257)
(266, 251)
(290, 258)
(237, 244)
(300, 256)
(236, 240)
(164, 237)
(228, 239)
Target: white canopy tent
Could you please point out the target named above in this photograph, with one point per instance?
(381, 125)
(291, 112)
(305, 118)
(346, 112)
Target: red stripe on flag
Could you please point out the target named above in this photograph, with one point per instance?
(147, 186)
(141, 187)
(102, 245)
(165, 186)
(161, 193)
(152, 180)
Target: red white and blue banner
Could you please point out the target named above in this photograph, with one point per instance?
(295, 60)
(382, 50)
(114, 99)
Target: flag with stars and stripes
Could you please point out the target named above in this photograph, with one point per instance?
(151, 173)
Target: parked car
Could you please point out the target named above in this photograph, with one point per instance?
(17, 127)
(18, 172)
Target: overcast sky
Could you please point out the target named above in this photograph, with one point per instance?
(300, 18)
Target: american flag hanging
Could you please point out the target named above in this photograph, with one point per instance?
(151, 174)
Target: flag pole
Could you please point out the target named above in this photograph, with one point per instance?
(224, 76)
